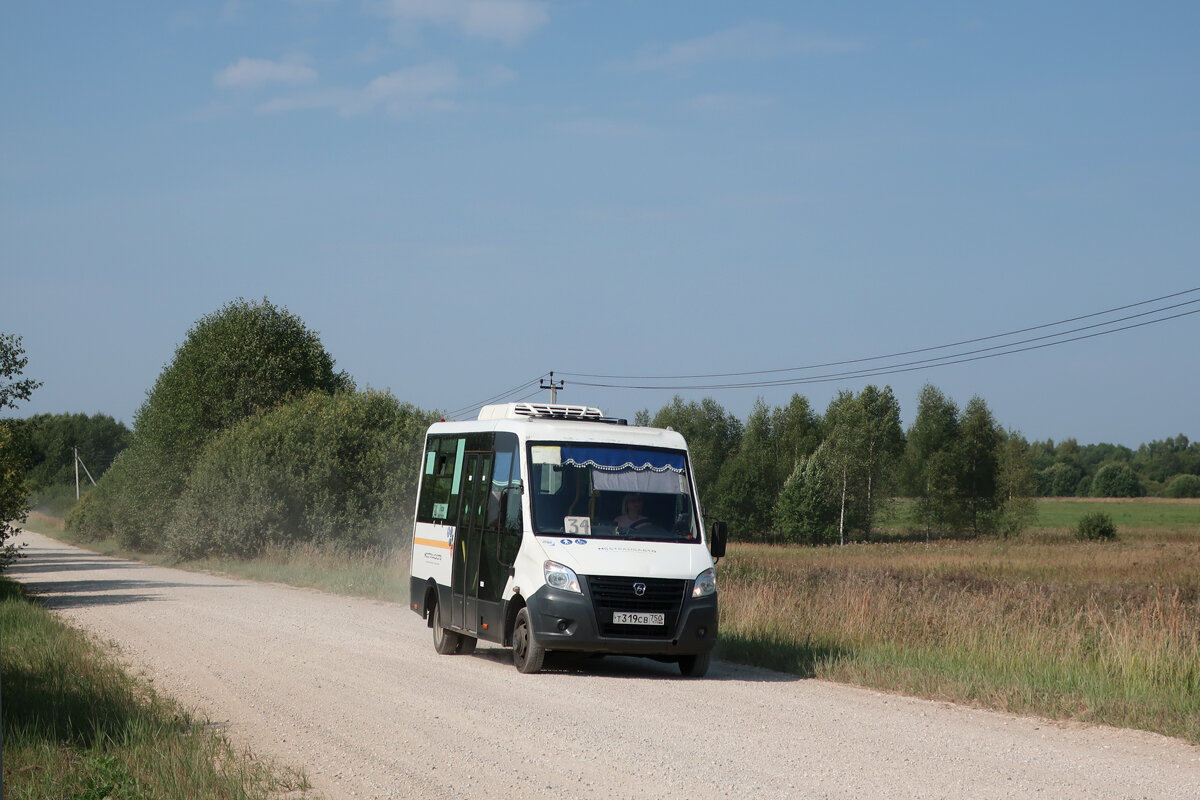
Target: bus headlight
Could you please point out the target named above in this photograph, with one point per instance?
(706, 583)
(561, 577)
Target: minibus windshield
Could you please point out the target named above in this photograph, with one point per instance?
(611, 491)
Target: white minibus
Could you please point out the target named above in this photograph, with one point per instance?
(550, 527)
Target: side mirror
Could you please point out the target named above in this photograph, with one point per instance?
(717, 534)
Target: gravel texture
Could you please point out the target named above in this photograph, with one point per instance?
(352, 692)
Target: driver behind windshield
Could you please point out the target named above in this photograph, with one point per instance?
(631, 511)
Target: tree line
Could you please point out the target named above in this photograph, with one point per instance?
(250, 438)
(1164, 467)
(790, 474)
(50, 443)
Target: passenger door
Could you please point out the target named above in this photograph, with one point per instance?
(477, 472)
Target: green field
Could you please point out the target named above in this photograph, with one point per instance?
(1154, 516)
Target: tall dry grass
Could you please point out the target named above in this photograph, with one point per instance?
(1100, 633)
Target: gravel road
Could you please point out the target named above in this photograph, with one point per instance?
(352, 691)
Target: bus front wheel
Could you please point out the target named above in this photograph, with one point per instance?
(527, 653)
(695, 666)
(444, 641)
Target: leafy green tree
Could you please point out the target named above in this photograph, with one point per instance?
(14, 491)
(1041, 455)
(769, 447)
(844, 451)
(1092, 456)
(863, 443)
(234, 363)
(884, 443)
(1183, 486)
(335, 470)
(120, 504)
(14, 388)
(1159, 460)
(804, 513)
(712, 434)
(1068, 480)
(978, 438)
(14, 494)
(796, 432)
(1116, 480)
(748, 484)
(1060, 479)
(243, 359)
(930, 463)
(1015, 485)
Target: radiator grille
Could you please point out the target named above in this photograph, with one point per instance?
(662, 595)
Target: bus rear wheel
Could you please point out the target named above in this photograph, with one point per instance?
(527, 653)
(444, 641)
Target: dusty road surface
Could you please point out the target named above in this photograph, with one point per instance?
(352, 691)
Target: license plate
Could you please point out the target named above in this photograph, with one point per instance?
(634, 618)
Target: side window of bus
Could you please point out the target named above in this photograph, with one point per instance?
(439, 492)
(506, 486)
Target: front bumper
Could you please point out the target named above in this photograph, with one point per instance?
(569, 621)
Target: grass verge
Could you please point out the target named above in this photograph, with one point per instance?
(76, 725)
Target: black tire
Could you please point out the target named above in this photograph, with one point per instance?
(444, 641)
(695, 666)
(527, 653)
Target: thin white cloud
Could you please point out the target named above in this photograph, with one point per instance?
(255, 72)
(424, 81)
(507, 21)
(426, 87)
(755, 41)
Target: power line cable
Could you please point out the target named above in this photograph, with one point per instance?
(894, 355)
(912, 366)
(474, 407)
(495, 398)
(994, 351)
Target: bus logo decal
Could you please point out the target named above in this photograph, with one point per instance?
(639, 588)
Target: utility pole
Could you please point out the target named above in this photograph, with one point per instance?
(78, 464)
(553, 387)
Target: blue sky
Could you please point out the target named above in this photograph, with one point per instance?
(463, 195)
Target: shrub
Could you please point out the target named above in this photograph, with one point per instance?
(1116, 480)
(1098, 527)
(117, 507)
(240, 361)
(336, 470)
(1184, 486)
(1060, 480)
